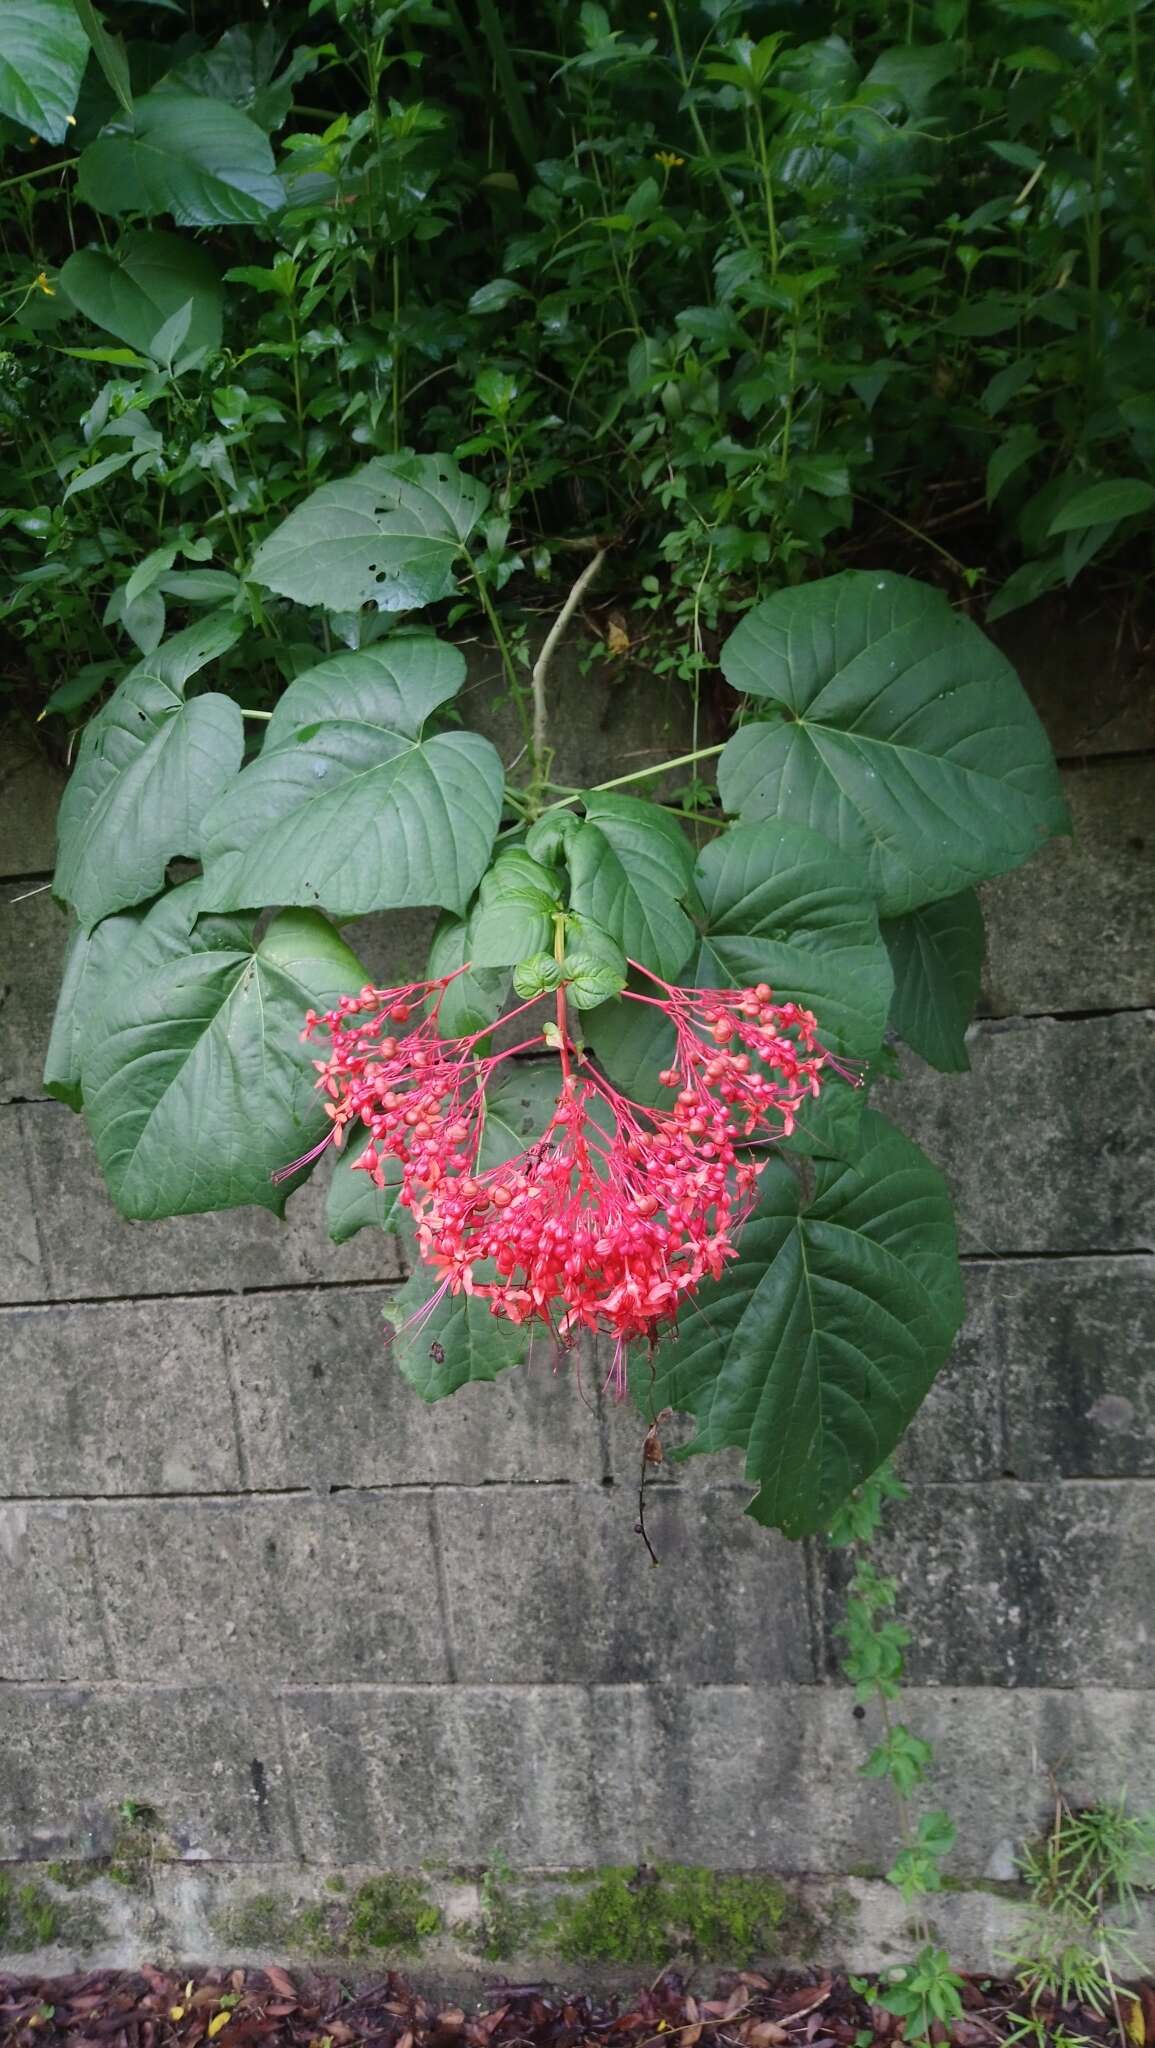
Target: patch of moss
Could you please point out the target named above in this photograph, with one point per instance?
(72, 1876)
(30, 1918)
(391, 1913)
(649, 1915)
(267, 1922)
(512, 1922)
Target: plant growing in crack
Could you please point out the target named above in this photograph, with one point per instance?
(927, 1991)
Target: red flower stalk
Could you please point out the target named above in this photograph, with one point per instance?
(614, 1215)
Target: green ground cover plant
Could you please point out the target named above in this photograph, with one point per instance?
(334, 336)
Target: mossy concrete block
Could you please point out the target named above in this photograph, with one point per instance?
(281, 1589)
(1048, 1144)
(729, 1601)
(30, 789)
(23, 1276)
(206, 1760)
(539, 1776)
(1075, 928)
(1053, 1376)
(92, 1253)
(322, 1404)
(1012, 1584)
(768, 1778)
(116, 1398)
(1089, 674)
(34, 934)
(50, 1619)
(1077, 1355)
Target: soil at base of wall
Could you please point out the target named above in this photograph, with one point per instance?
(238, 2008)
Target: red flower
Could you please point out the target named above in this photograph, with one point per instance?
(614, 1215)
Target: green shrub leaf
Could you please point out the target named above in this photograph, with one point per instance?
(43, 53)
(1121, 497)
(457, 1341)
(784, 906)
(91, 967)
(200, 160)
(199, 1088)
(937, 956)
(133, 290)
(148, 767)
(391, 535)
(821, 1339)
(630, 869)
(898, 731)
(347, 807)
(354, 1202)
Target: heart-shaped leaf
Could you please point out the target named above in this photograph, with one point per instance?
(134, 289)
(391, 535)
(899, 733)
(200, 160)
(630, 869)
(821, 1339)
(350, 809)
(148, 768)
(43, 52)
(783, 906)
(90, 969)
(399, 684)
(937, 956)
(199, 1088)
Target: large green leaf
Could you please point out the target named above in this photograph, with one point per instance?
(200, 160)
(898, 731)
(133, 290)
(783, 906)
(398, 684)
(474, 1000)
(91, 967)
(937, 956)
(778, 904)
(347, 807)
(43, 52)
(354, 1202)
(451, 1344)
(821, 1339)
(631, 868)
(241, 68)
(391, 535)
(518, 902)
(148, 768)
(199, 1088)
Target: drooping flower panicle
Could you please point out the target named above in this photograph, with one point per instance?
(612, 1217)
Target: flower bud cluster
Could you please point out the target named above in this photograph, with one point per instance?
(613, 1216)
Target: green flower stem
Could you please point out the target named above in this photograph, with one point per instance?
(246, 713)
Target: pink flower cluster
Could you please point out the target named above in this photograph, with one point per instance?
(612, 1217)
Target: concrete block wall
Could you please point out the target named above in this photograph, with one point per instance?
(314, 1631)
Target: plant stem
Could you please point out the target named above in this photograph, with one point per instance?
(538, 747)
(640, 775)
(511, 676)
(696, 123)
(45, 170)
(246, 713)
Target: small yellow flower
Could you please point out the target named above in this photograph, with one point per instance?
(667, 158)
(43, 285)
(71, 119)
